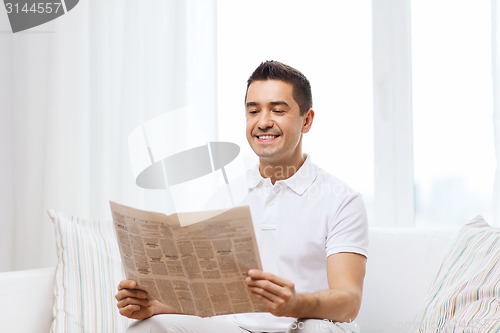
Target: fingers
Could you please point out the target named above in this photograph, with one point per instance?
(128, 305)
(126, 297)
(129, 288)
(271, 291)
(256, 274)
(131, 299)
(275, 293)
(128, 284)
(264, 295)
(132, 293)
(129, 310)
(269, 283)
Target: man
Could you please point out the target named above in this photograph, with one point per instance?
(311, 228)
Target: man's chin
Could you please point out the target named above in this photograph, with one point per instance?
(264, 152)
(268, 158)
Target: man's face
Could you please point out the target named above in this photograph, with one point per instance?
(274, 125)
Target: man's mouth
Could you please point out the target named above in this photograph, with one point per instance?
(267, 137)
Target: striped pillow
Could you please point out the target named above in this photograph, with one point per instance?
(88, 271)
(465, 294)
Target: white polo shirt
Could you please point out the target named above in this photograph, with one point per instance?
(298, 223)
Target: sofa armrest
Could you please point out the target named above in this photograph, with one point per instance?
(27, 297)
(402, 263)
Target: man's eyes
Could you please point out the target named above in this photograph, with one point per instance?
(253, 112)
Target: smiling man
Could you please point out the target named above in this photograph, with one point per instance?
(275, 125)
(311, 227)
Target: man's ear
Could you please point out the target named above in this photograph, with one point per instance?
(308, 120)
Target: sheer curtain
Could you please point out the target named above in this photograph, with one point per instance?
(495, 18)
(71, 92)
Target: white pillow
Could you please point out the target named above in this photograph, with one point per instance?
(88, 270)
(465, 296)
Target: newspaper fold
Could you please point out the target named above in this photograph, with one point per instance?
(198, 268)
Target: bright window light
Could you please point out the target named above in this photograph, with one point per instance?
(330, 42)
(452, 110)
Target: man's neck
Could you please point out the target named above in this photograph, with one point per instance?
(280, 171)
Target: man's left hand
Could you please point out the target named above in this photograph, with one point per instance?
(277, 294)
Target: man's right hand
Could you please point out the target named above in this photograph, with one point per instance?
(135, 303)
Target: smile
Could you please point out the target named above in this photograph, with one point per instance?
(267, 137)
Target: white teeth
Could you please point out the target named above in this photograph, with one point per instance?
(266, 137)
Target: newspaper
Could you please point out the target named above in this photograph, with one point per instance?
(197, 267)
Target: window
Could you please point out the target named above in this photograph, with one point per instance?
(402, 93)
(454, 157)
(330, 42)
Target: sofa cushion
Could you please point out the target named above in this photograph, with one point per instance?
(402, 264)
(87, 273)
(465, 296)
(27, 300)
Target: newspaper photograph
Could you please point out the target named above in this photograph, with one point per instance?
(199, 266)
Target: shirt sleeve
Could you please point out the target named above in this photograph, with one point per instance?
(348, 228)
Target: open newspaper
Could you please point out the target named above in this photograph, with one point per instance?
(197, 266)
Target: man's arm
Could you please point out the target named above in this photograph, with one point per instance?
(135, 303)
(340, 303)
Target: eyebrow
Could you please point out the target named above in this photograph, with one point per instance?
(273, 103)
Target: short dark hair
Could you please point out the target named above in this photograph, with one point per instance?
(275, 70)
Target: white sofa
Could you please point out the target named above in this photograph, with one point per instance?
(402, 264)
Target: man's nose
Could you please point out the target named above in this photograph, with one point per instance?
(265, 120)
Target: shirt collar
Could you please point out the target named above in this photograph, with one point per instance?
(298, 182)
